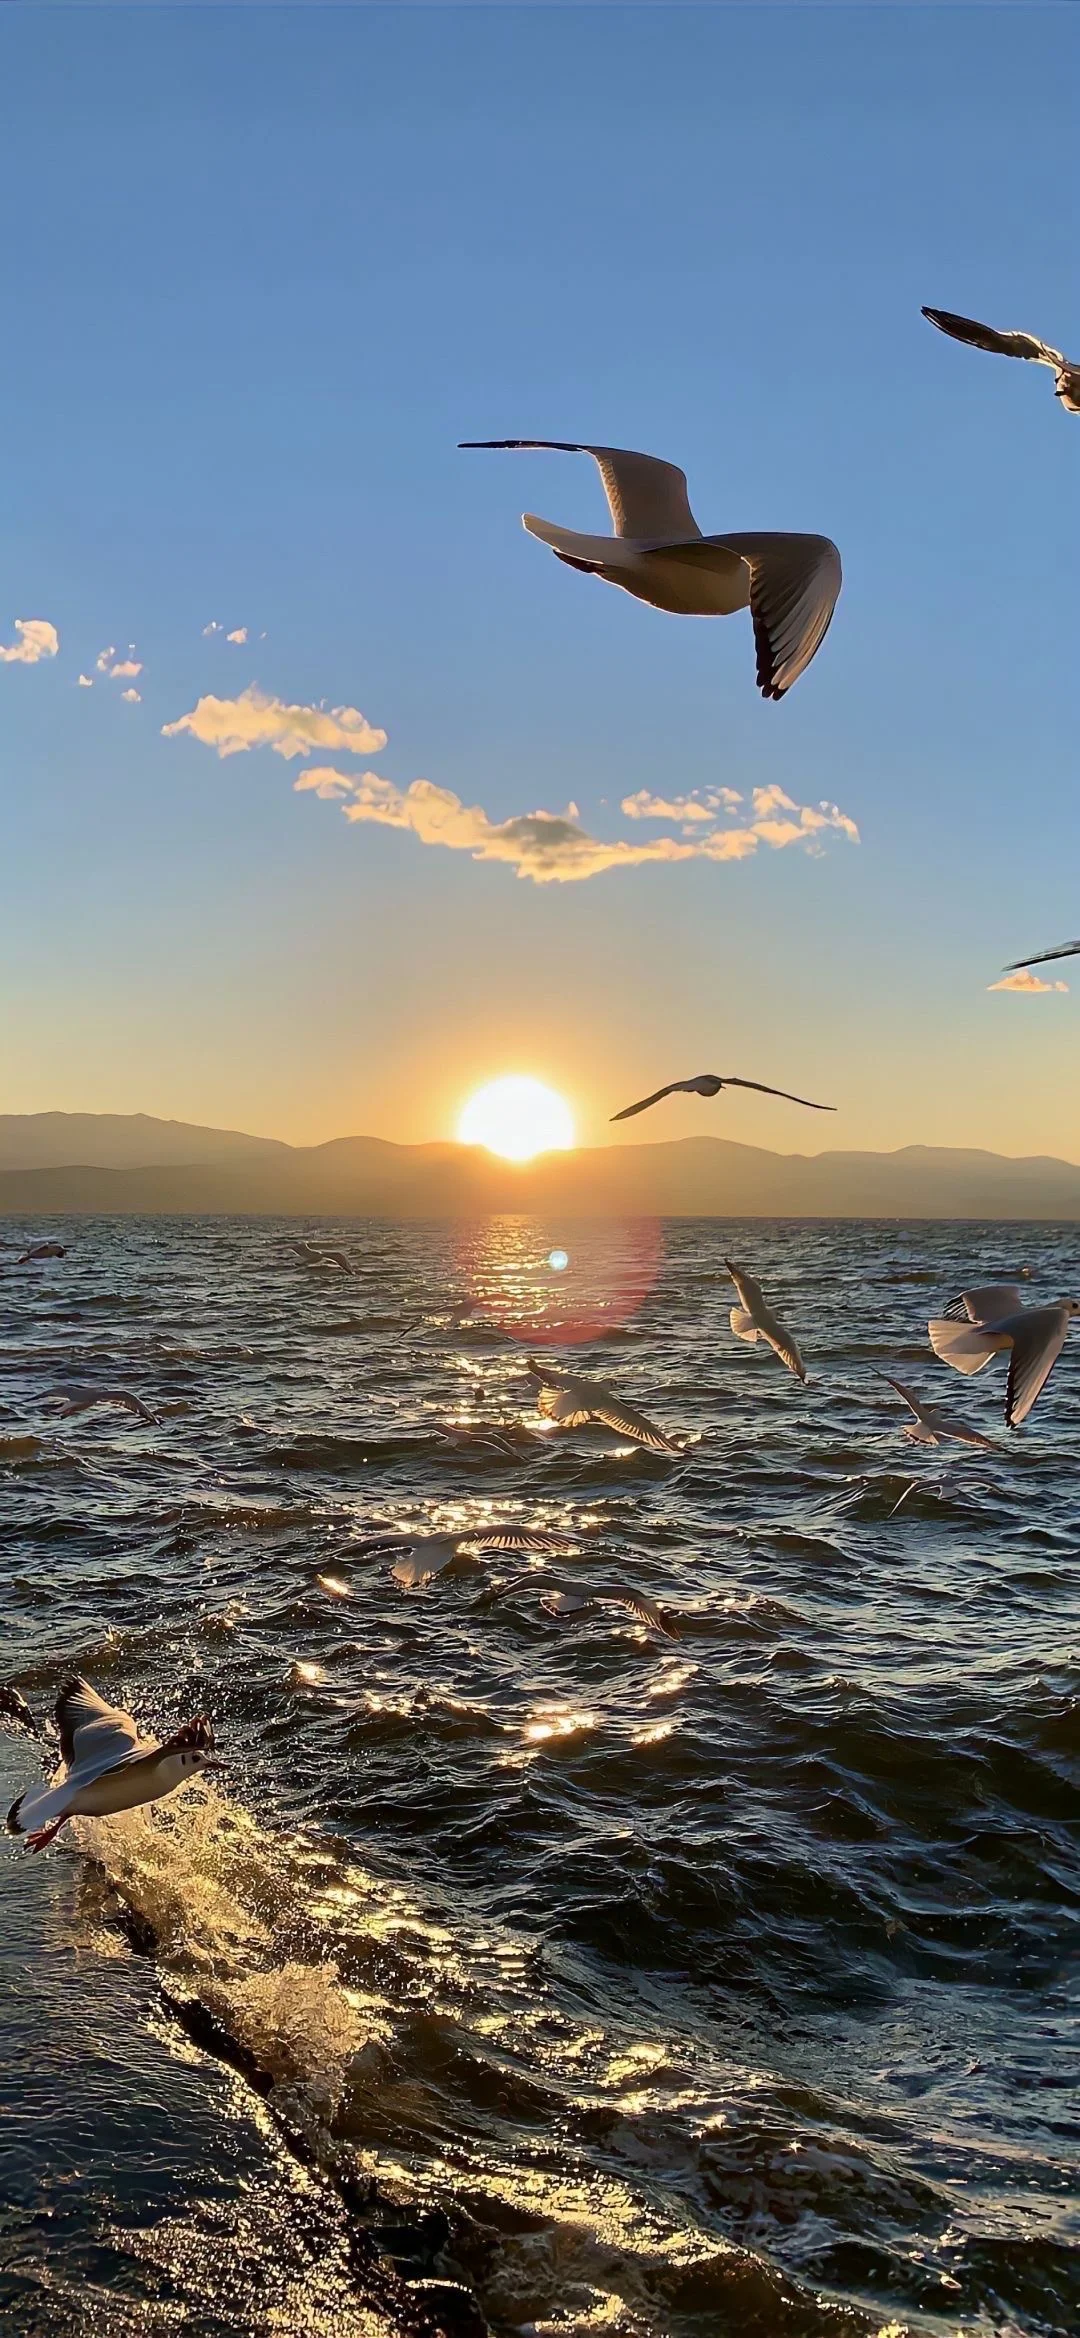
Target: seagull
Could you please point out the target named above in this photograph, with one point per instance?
(571, 1607)
(710, 1084)
(566, 1605)
(424, 1556)
(570, 1400)
(980, 1324)
(1066, 369)
(1043, 957)
(82, 1400)
(312, 1256)
(107, 1766)
(658, 553)
(931, 1427)
(753, 1319)
(41, 1250)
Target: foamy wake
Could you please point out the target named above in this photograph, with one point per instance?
(550, 2246)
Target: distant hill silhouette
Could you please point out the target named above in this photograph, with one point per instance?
(111, 1163)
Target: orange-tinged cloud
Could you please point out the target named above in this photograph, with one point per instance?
(546, 847)
(701, 805)
(37, 639)
(254, 719)
(1024, 980)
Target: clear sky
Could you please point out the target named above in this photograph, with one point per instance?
(261, 269)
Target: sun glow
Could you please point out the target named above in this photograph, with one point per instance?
(517, 1118)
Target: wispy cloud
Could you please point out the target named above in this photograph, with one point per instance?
(1024, 980)
(86, 681)
(213, 626)
(701, 806)
(119, 669)
(133, 697)
(550, 847)
(239, 635)
(37, 639)
(233, 725)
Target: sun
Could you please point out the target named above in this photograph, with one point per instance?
(517, 1118)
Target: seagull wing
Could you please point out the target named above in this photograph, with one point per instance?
(520, 1538)
(674, 1088)
(629, 1423)
(794, 587)
(782, 1343)
(751, 1295)
(990, 1304)
(645, 1611)
(908, 1394)
(422, 1562)
(1043, 957)
(965, 1345)
(570, 1406)
(729, 1081)
(985, 337)
(94, 1736)
(1037, 1343)
(646, 496)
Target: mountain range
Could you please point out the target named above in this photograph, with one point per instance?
(112, 1163)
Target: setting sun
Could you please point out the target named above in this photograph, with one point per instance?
(517, 1117)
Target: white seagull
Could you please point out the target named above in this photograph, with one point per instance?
(82, 1400)
(984, 1323)
(107, 1766)
(710, 1084)
(571, 1607)
(571, 1400)
(1043, 957)
(657, 552)
(753, 1319)
(424, 1556)
(313, 1256)
(932, 1427)
(1066, 370)
(41, 1250)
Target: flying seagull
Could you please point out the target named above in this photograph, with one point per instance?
(984, 1323)
(42, 1250)
(931, 1427)
(1043, 957)
(82, 1400)
(313, 1256)
(424, 1556)
(571, 1607)
(1066, 370)
(657, 552)
(107, 1766)
(753, 1319)
(571, 1400)
(710, 1084)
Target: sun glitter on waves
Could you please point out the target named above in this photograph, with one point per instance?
(517, 1118)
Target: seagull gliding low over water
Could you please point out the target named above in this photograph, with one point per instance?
(984, 1323)
(107, 1766)
(710, 1084)
(571, 1400)
(931, 1427)
(753, 1319)
(1066, 369)
(790, 584)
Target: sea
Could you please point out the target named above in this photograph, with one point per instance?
(526, 1968)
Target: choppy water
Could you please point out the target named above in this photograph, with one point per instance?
(703, 1984)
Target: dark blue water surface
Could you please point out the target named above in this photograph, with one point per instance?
(716, 1984)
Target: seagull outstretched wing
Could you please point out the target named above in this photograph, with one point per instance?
(646, 496)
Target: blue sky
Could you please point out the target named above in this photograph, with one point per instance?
(262, 269)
